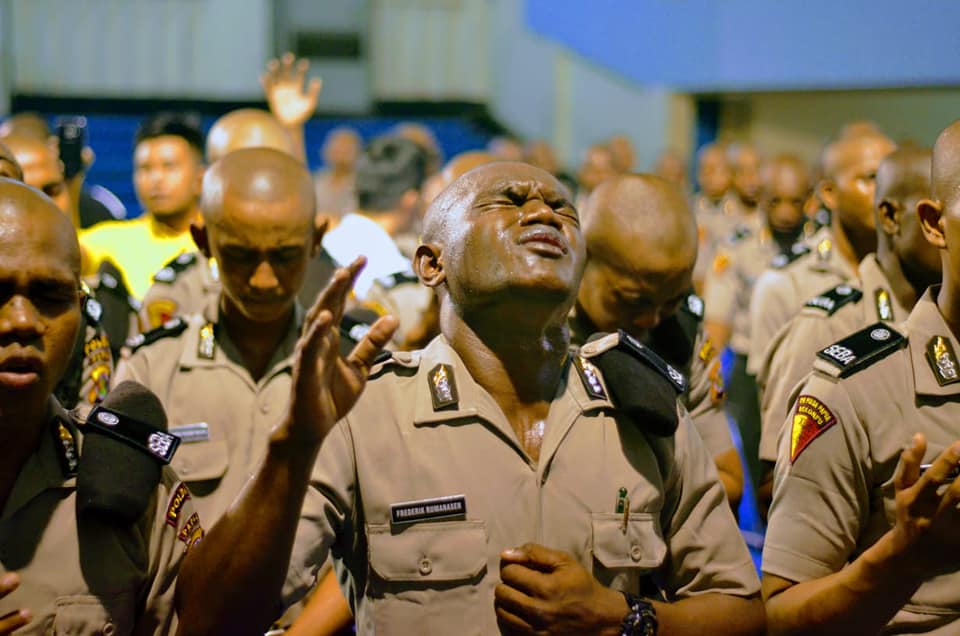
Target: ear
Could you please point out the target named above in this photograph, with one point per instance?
(888, 217)
(321, 223)
(827, 193)
(199, 234)
(428, 265)
(931, 220)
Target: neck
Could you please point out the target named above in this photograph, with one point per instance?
(785, 238)
(905, 288)
(948, 302)
(177, 222)
(522, 365)
(257, 342)
(21, 426)
(339, 172)
(853, 243)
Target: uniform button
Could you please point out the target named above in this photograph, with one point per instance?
(425, 566)
(265, 407)
(109, 629)
(635, 552)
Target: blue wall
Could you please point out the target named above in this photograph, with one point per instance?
(732, 45)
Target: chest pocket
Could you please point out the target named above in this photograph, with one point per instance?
(622, 555)
(439, 565)
(85, 615)
(201, 461)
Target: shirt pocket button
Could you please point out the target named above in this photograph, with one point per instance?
(425, 566)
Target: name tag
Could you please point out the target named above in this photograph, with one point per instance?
(429, 509)
(192, 433)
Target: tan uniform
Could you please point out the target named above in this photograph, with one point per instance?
(780, 292)
(183, 286)
(221, 414)
(87, 378)
(833, 488)
(682, 342)
(738, 264)
(824, 319)
(80, 574)
(423, 484)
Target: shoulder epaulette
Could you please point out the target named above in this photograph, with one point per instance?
(783, 259)
(169, 272)
(398, 278)
(92, 309)
(173, 327)
(832, 300)
(693, 305)
(392, 359)
(861, 349)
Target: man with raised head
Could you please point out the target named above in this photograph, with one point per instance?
(714, 178)
(888, 285)
(849, 166)
(641, 246)
(863, 531)
(66, 562)
(491, 479)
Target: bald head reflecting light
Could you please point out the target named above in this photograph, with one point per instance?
(946, 165)
(247, 128)
(27, 215)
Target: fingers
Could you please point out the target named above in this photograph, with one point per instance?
(336, 291)
(14, 620)
(522, 613)
(373, 342)
(939, 471)
(525, 579)
(908, 470)
(300, 71)
(535, 556)
(313, 89)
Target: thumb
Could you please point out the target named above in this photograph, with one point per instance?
(535, 556)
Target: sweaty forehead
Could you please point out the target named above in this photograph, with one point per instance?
(493, 177)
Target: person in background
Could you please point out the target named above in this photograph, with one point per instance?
(505, 148)
(624, 155)
(168, 170)
(292, 99)
(597, 167)
(423, 136)
(672, 167)
(714, 178)
(746, 165)
(336, 182)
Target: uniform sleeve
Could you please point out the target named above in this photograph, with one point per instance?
(821, 489)
(771, 307)
(176, 528)
(162, 302)
(705, 398)
(135, 368)
(720, 290)
(327, 520)
(705, 550)
(783, 367)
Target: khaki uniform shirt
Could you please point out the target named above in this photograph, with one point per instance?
(833, 488)
(823, 320)
(87, 378)
(780, 293)
(184, 286)
(705, 396)
(738, 264)
(423, 484)
(221, 414)
(84, 575)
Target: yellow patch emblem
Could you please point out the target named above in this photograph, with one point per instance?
(160, 311)
(810, 419)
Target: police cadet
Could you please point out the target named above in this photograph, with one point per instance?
(739, 261)
(711, 207)
(863, 532)
(889, 283)
(641, 241)
(65, 565)
(492, 477)
(849, 166)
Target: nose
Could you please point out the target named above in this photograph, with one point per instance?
(19, 317)
(263, 277)
(537, 211)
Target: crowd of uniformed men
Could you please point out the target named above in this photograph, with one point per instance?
(479, 397)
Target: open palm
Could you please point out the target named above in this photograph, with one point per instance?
(291, 100)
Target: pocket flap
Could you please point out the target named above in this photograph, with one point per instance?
(641, 545)
(437, 551)
(201, 461)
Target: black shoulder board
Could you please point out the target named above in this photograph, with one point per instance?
(863, 348)
(173, 327)
(832, 300)
(92, 309)
(650, 357)
(398, 278)
(693, 305)
(783, 259)
(142, 436)
(169, 272)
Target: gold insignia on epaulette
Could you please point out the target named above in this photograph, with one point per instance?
(824, 248)
(590, 376)
(68, 449)
(443, 387)
(707, 351)
(942, 360)
(206, 342)
(884, 306)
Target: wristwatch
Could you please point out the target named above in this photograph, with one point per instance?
(641, 620)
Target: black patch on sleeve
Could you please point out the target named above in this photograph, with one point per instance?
(863, 348)
(832, 300)
(173, 327)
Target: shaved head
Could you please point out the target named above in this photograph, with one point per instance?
(41, 168)
(32, 125)
(714, 174)
(852, 149)
(9, 166)
(27, 215)
(639, 213)
(945, 179)
(247, 128)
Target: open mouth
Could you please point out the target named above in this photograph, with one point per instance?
(546, 241)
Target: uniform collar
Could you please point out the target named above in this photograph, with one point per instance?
(825, 257)
(225, 353)
(47, 467)
(883, 304)
(924, 325)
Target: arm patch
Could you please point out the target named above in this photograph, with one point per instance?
(832, 300)
(861, 349)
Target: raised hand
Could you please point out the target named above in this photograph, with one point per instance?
(548, 591)
(291, 101)
(16, 619)
(326, 385)
(928, 523)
